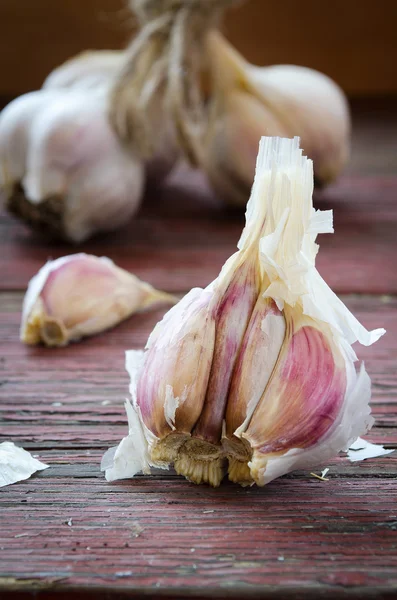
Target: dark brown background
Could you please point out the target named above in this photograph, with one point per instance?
(353, 41)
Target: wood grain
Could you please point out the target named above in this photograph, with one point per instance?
(66, 531)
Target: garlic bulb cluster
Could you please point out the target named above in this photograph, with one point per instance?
(80, 295)
(255, 373)
(62, 168)
(219, 104)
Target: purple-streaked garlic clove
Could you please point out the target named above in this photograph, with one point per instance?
(172, 382)
(80, 295)
(201, 459)
(257, 358)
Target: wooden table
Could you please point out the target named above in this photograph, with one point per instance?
(66, 530)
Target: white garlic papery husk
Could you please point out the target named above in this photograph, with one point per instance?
(17, 464)
(79, 295)
(255, 374)
(247, 102)
(62, 168)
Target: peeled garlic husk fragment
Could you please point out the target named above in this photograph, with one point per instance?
(79, 295)
(62, 168)
(284, 100)
(255, 374)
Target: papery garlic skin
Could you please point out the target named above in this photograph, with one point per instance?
(282, 100)
(290, 397)
(80, 295)
(76, 178)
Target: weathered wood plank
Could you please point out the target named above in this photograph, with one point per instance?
(138, 534)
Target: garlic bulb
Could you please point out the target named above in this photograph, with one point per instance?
(97, 71)
(62, 167)
(89, 70)
(80, 295)
(284, 100)
(256, 371)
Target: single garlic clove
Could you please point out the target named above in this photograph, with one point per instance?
(80, 295)
(303, 398)
(173, 379)
(255, 363)
(283, 100)
(75, 179)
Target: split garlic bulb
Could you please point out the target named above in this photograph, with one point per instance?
(254, 374)
(80, 295)
(283, 100)
(62, 167)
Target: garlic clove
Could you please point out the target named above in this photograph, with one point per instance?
(80, 295)
(283, 100)
(76, 178)
(201, 459)
(255, 363)
(173, 379)
(303, 398)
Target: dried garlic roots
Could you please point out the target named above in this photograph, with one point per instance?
(253, 375)
(80, 295)
(219, 104)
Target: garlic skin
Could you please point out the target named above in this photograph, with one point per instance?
(282, 100)
(74, 179)
(79, 295)
(290, 396)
